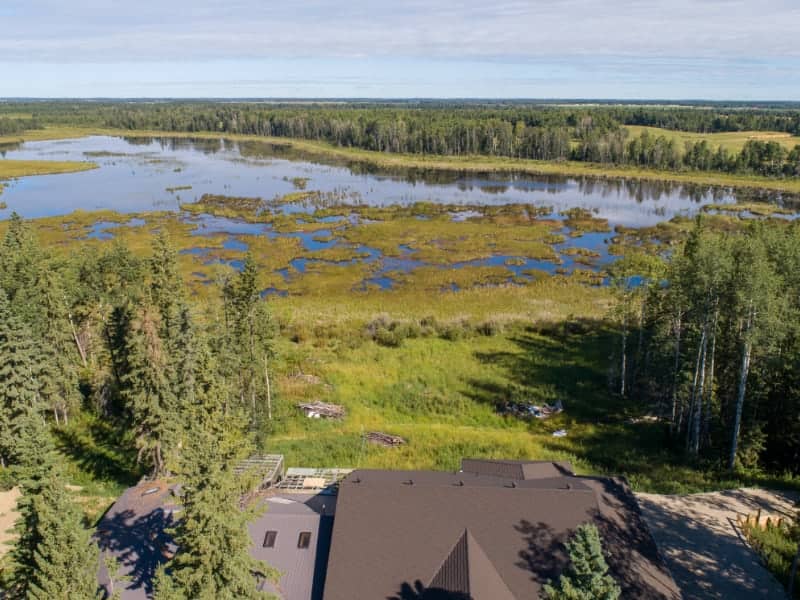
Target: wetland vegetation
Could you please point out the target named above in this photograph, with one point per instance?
(422, 299)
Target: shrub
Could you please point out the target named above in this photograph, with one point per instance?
(387, 337)
(489, 328)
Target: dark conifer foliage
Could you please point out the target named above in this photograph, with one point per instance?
(104, 331)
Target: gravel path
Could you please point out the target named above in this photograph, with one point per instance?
(702, 545)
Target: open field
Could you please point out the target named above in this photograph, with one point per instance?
(436, 162)
(732, 141)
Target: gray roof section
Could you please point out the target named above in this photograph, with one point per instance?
(516, 469)
(302, 569)
(134, 530)
(396, 531)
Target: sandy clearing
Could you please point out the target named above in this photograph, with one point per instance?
(8, 515)
(703, 547)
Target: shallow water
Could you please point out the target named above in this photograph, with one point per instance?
(143, 175)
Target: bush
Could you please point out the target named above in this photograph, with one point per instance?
(777, 546)
(387, 337)
(7, 479)
(489, 328)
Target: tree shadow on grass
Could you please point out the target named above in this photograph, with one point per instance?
(100, 450)
(570, 362)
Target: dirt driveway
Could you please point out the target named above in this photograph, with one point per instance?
(699, 539)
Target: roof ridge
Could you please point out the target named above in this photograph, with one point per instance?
(498, 588)
(449, 575)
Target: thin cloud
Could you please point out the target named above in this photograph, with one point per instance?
(46, 30)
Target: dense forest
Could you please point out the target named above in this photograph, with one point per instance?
(711, 341)
(113, 334)
(543, 132)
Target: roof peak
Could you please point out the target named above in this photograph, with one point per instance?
(467, 571)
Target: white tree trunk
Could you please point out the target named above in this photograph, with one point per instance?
(710, 384)
(698, 409)
(675, 372)
(624, 363)
(269, 391)
(737, 421)
(81, 349)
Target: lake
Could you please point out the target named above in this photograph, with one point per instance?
(138, 175)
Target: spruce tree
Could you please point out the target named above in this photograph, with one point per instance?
(248, 339)
(20, 370)
(166, 286)
(213, 559)
(34, 460)
(20, 259)
(147, 391)
(60, 356)
(66, 558)
(586, 577)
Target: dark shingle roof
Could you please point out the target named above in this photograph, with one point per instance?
(516, 469)
(481, 536)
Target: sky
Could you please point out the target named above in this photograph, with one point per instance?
(627, 49)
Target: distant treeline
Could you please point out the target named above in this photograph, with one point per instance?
(542, 132)
(15, 126)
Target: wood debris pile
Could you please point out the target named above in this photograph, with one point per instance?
(384, 439)
(317, 409)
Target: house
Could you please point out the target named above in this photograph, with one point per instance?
(291, 534)
(493, 531)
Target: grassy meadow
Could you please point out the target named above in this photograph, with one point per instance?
(733, 141)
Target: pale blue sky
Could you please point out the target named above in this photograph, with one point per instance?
(712, 49)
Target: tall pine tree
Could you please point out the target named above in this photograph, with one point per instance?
(20, 370)
(213, 559)
(147, 390)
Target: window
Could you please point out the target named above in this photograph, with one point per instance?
(304, 541)
(269, 539)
